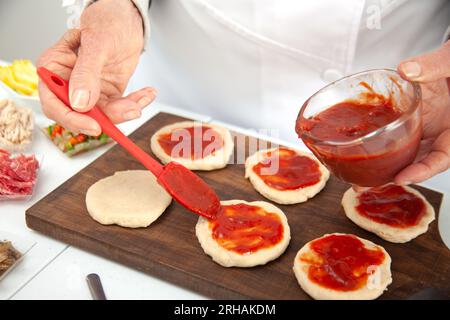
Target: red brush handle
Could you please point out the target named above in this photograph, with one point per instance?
(60, 88)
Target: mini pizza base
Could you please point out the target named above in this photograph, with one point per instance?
(131, 199)
(229, 258)
(319, 292)
(211, 162)
(385, 231)
(288, 196)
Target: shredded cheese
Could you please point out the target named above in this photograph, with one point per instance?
(16, 125)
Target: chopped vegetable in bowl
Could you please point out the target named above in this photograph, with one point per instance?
(72, 144)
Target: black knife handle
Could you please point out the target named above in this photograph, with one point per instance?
(95, 286)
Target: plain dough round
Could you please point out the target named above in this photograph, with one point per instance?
(288, 196)
(214, 161)
(397, 235)
(132, 199)
(228, 258)
(318, 292)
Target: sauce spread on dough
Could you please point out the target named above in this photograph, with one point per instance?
(191, 142)
(294, 171)
(341, 262)
(391, 205)
(369, 164)
(245, 229)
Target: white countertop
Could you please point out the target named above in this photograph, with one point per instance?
(54, 270)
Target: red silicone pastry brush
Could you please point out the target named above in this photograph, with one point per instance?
(182, 184)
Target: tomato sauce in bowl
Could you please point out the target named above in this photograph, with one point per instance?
(367, 138)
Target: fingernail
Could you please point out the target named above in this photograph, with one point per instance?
(131, 115)
(144, 101)
(89, 132)
(80, 99)
(411, 69)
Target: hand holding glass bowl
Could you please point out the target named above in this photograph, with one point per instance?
(372, 159)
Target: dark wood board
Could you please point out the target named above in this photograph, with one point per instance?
(169, 248)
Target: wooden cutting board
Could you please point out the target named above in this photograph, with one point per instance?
(169, 248)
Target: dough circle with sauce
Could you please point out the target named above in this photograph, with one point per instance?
(216, 160)
(298, 195)
(376, 283)
(229, 258)
(389, 233)
(132, 199)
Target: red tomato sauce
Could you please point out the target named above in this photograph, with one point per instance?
(391, 205)
(245, 229)
(349, 120)
(192, 142)
(341, 262)
(294, 171)
(198, 197)
(366, 164)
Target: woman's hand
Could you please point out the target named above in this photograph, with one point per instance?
(432, 71)
(98, 59)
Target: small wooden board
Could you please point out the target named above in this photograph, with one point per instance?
(170, 250)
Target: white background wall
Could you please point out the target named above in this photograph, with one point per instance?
(27, 27)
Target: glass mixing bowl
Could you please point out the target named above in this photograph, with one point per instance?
(375, 158)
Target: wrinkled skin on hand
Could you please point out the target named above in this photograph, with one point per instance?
(98, 59)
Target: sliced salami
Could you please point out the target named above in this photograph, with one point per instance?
(18, 175)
